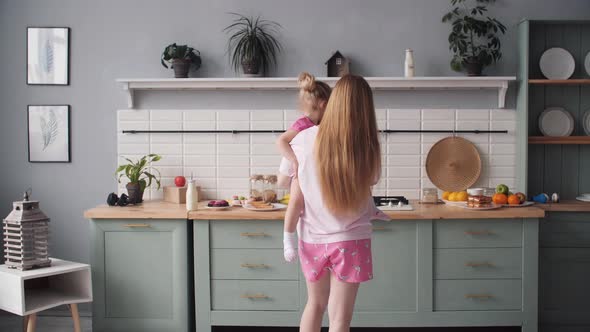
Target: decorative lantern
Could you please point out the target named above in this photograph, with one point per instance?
(26, 235)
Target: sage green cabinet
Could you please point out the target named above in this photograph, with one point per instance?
(564, 271)
(139, 270)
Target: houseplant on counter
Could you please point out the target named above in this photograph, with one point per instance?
(139, 177)
(253, 44)
(474, 36)
(181, 58)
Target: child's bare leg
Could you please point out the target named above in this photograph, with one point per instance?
(291, 218)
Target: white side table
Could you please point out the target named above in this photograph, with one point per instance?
(25, 293)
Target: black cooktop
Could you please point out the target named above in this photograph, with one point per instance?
(385, 200)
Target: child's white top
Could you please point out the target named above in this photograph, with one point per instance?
(316, 223)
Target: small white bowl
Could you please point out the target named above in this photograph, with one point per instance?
(585, 196)
(475, 191)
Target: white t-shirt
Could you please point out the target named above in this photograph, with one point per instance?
(317, 224)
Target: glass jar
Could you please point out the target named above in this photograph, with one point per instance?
(256, 187)
(430, 195)
(489, 192)
(269, 194)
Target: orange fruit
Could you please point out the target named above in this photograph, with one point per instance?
(462, 196)
(500, 199)
(513, 200)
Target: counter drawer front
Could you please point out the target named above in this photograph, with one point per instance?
(565, 230)
(254, 295)
(501, 233)
(247, 234)
(473, 295)
(479, 263)
(252, 264)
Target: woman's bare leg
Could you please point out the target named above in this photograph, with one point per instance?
(318, 293)
(341, 304)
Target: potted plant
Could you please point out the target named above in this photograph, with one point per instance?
(181, 58)
(474, 36)
(253, 44)
(139, 177)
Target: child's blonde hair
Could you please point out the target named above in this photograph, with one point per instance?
(316, 92)
(347, 149)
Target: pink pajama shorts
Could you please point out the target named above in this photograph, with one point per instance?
(349, 261)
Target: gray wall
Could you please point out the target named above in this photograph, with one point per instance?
(113, 39)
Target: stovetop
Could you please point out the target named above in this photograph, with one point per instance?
(385, 200)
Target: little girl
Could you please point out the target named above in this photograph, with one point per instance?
(313, 97)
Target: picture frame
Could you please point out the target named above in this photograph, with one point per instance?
(48, 56)
(49, 133)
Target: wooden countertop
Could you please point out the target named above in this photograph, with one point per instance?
(163, 210)
(566, 206)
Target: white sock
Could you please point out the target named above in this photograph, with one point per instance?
(289, 243)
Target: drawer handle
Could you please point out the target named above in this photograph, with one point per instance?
(255, 266)
(254, 296)
(479, 296)
(479, 264)
(475, 233)
(248, 234)
(380, 228)
(138, 225)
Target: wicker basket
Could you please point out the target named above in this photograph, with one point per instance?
(453, 164)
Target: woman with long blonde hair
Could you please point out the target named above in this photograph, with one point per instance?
(339, 161)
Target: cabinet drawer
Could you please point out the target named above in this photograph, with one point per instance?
(251, 264)
(254, 295)
(499, 233)
(246, 234)
(480, 263)
(451, 295)
(567, 230)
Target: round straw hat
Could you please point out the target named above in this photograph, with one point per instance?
(453, 164)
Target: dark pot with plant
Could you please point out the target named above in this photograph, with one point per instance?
(181, 58)
(474, 36)
(253, 44)
(139, 177)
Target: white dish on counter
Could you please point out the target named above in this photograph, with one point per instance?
(556, 122)
(584, 198)
(461, 203)
(217, 208)
(527, 203)
(275, 207)
(557, 64)
(491, 207)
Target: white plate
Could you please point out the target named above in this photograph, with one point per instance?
(455, 203)
(583, 198)
(527, 203)
(586, 122)
(275, 207)
(556, 122)
(218, 208)
(587, 63)
(492, 207)
(557, 64)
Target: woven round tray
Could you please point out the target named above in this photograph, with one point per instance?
(453, 164)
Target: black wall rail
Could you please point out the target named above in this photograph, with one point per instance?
(387, 131)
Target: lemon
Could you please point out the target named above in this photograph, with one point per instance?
(446, 195)
(453, 197)
(461, 196)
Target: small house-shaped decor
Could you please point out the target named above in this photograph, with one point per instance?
(338, 65)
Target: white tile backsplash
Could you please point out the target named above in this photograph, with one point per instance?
(222, 163)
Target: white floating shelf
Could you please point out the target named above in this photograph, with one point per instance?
(499, 83)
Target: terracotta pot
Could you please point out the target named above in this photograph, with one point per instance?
(134, 192)
(473, 67)
(251, 68)
(181, 68)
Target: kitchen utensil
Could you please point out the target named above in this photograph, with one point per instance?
(587, 63)
(528, 203)
(557, 64)
(275, 207)
(453, 164)
(583, 198)
(586, 122)
(556, 122)
(490, 207)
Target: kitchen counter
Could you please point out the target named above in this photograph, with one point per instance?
(566, 206)
(164, 210)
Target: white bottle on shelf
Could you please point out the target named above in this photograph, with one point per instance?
(409, 64)
(192, 195)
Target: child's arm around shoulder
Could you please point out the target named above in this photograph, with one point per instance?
(284, 144)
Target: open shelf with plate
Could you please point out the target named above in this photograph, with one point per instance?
(554, 164)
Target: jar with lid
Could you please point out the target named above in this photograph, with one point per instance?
(429, 195)
(256, 187)
(269, 194)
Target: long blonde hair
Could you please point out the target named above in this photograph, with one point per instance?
(347, 149)
(315, 92)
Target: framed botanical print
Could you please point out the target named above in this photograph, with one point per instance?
(48, 129)
(48, 56)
